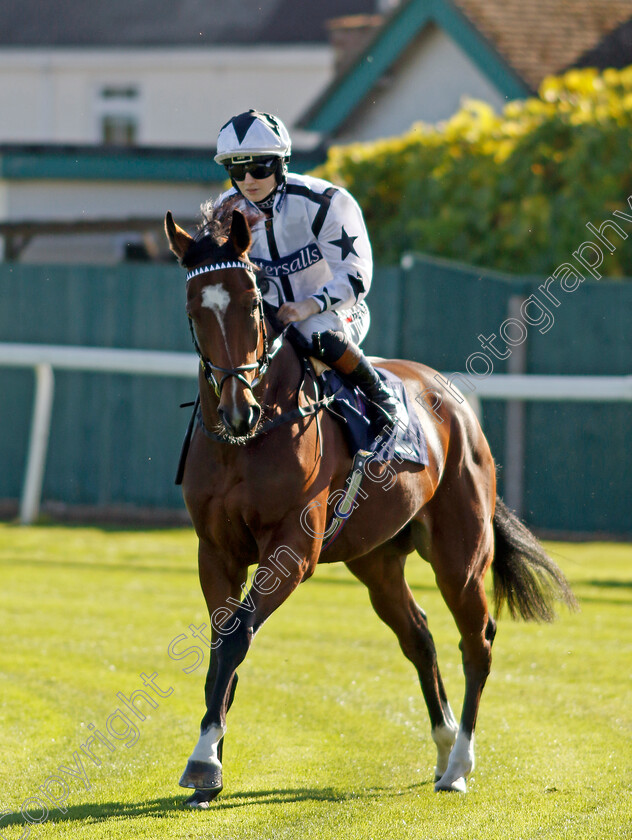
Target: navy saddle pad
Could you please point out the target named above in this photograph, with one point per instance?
(407, 439)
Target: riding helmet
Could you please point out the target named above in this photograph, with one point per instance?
(254, 134)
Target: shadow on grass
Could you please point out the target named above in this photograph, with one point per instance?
(97, 565)
(282, 797)
(168, 805)
(621, 592)
(608, 584)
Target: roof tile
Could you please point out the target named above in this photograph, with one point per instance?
(539, 38)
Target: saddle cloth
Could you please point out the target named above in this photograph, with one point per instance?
(406, 440)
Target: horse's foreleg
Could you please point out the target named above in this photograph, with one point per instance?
(203, 770)
(204, 767)
(276, 577)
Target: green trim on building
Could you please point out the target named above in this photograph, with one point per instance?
(87, 163)
(480, 51)
(346, 93)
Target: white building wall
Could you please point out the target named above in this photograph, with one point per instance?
(185, 95)
(73, 201)
(428, 83)
(83, 200)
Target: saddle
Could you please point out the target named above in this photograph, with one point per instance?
(405, 440)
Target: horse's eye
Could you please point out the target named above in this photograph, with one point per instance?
(254, 306)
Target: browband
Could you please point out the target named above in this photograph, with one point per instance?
(216, 266)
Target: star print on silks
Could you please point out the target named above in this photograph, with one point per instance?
(357, 284)
(345, 243)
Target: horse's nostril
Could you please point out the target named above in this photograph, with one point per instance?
(239, 422)
(223, 416)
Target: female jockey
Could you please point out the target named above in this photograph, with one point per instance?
(313, 247)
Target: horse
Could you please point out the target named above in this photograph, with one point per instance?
(248, 512)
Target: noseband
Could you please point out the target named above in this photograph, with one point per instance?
(268, 353)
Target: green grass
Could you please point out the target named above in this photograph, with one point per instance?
(329, 736)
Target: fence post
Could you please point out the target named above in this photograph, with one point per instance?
(515, 420)
(38, 443)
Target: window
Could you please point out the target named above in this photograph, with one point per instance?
(118, 115)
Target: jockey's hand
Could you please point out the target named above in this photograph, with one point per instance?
(297, 311)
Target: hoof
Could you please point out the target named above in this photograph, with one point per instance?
(202, 776)
(457, 786)
(202, 798)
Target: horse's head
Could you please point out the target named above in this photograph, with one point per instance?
(226, 314)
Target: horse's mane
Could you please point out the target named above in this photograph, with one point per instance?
(211, 240)
(216, 218)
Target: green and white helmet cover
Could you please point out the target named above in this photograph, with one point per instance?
(252, 134)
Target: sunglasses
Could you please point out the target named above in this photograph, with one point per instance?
(258, 169)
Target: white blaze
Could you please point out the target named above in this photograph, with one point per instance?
(215, 298)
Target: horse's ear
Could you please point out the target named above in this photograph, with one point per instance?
(239, 233)
(179, 239)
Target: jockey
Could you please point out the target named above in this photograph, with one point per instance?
(312, 245)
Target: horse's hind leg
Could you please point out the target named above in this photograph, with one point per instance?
(382, 572)
(460, 552)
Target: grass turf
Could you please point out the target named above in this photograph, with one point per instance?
(329, 735)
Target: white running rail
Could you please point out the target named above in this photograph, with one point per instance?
(45, 358)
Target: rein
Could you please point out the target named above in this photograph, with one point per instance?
(345, 506)
(295, 414)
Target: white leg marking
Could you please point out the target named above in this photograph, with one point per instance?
(206, 747)
(460, 764)
(444, 738)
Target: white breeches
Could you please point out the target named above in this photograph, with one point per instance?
(354, 322)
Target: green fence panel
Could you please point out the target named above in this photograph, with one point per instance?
(580, 453)
(115, 439)
(443, 307)
(578, 461)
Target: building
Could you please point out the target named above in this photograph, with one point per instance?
(429, 54)
(110, 110)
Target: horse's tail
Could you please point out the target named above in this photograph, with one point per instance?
(525, 577)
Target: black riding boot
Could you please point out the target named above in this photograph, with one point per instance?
(367, 380)
(345, 357)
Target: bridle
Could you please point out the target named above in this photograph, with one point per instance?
(269, 351)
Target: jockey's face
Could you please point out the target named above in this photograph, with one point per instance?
(257, 189)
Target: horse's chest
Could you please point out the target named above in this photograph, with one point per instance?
(250, 493)
(236, 515)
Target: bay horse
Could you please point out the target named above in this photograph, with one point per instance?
(257, 489)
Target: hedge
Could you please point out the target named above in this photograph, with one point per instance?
(511, 191)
